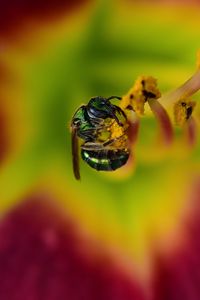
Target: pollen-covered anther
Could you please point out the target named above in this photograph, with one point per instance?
(183, 110)
(152, 93)
(145, 88)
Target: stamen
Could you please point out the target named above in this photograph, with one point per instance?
(145, 90)
(163, 119)
(191, 132)
(187, 89)
(145, 87)
(133, 131)
(183, 110)
(198, 60)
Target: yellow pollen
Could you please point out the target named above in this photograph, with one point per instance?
(183, 110)
(118, 133)
(144, 88)
(116, 130)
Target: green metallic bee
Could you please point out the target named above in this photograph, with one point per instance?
(90, 123)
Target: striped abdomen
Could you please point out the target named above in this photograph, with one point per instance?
(105, 160)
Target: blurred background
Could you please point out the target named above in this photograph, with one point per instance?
(112, 235)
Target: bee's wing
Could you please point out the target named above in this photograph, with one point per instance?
(75, 154)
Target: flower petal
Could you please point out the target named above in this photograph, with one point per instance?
(14, 14)
(43, 257)
(177, 274)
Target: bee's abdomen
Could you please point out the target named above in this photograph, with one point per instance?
(105, 160)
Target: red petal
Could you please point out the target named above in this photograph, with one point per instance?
(178, 275)
(4, 140)
(41, 257)
(13, 14)
(4, 143)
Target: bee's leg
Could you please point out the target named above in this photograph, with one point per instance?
(110, 142)
(99, 146)
(120, 111)
(92, 146)
(89, 135)
(112, 111)
(96, 121)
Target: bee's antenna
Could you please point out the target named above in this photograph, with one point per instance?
(113, 97)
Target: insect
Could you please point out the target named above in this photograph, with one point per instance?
(93, 123)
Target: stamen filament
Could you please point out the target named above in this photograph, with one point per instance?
(133, 130)
(163, 119)
(190, 129)
(187, 89)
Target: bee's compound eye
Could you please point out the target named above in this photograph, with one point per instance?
(103, 102)
(97, 102)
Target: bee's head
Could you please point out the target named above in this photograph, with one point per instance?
(100, 107)
(98, 103)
